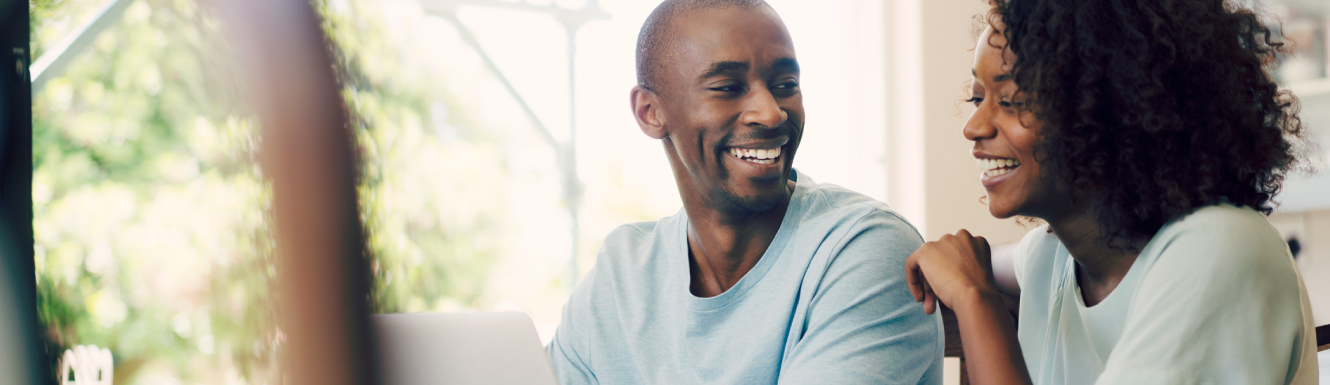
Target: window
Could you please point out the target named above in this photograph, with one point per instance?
(151, 214)
(1306, 25)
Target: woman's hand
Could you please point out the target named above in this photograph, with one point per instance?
(958, 270)
(949, 269)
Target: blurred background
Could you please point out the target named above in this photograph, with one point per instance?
(496, 149)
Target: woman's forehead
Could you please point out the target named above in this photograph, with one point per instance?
(992, 57)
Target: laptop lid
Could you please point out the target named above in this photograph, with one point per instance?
(499, 348)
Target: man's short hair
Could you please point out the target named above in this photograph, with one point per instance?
(654, 42)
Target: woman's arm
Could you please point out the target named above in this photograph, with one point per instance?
(992, 353)
(957, 270)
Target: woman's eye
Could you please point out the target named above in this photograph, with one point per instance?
(976, 100)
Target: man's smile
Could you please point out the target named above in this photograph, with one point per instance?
(758, 150)
(759, 156)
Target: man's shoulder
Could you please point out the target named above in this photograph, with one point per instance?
(840, 227)
(634, 244)
(841, 207)
(634, 233)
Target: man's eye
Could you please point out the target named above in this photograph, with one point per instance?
(786, 88)
(728, 88)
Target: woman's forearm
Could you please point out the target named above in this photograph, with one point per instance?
(992, 353)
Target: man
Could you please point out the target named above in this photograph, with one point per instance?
(765, 276)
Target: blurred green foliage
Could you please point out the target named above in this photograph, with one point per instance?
(432, 186)
(151, 211)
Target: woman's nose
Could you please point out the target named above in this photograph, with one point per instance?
(980, 125)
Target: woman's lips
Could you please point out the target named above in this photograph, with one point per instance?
(992, 167)
(994, 170)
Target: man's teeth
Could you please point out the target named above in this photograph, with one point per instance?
(995, 167)
(756, 156)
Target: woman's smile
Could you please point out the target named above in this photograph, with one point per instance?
(993, 171)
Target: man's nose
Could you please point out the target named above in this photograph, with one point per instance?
(761, 109)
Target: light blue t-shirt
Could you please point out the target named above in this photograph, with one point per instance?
(826, 304)
(1213, 298)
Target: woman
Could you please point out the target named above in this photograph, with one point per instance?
(1150, 138)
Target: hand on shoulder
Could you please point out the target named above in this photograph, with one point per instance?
(950, 269)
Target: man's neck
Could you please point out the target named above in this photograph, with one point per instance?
(724, 246)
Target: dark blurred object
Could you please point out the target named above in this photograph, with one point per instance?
(20, 352)
(1323, 338)
(1294, 247)
(323, 279)
(952, 337)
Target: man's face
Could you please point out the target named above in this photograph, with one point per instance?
(733, 109)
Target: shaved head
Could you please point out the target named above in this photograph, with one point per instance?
(655, 43)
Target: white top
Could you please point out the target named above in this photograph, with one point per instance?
(1213, 298)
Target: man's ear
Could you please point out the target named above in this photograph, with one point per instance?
(646, 109)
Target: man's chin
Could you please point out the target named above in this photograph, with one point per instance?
(756, 202)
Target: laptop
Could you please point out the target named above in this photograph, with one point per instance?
(496, 348)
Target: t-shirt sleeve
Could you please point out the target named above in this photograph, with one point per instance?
(1037, 241)
(1220, 305)
(863, 326)
(1022, 254)
(566, 349)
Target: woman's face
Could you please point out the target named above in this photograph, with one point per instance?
(1004, 133)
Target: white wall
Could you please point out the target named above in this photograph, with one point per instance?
(1313, 231)
(931, 176)
(840, 50)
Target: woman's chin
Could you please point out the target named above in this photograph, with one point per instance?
(1000, 210)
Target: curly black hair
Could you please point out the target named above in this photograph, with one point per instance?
(1153, 108)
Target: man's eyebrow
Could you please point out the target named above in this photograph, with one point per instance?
(722, 67)
(786, 64)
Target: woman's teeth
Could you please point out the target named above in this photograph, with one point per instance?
(756, 156)
(995, 167)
